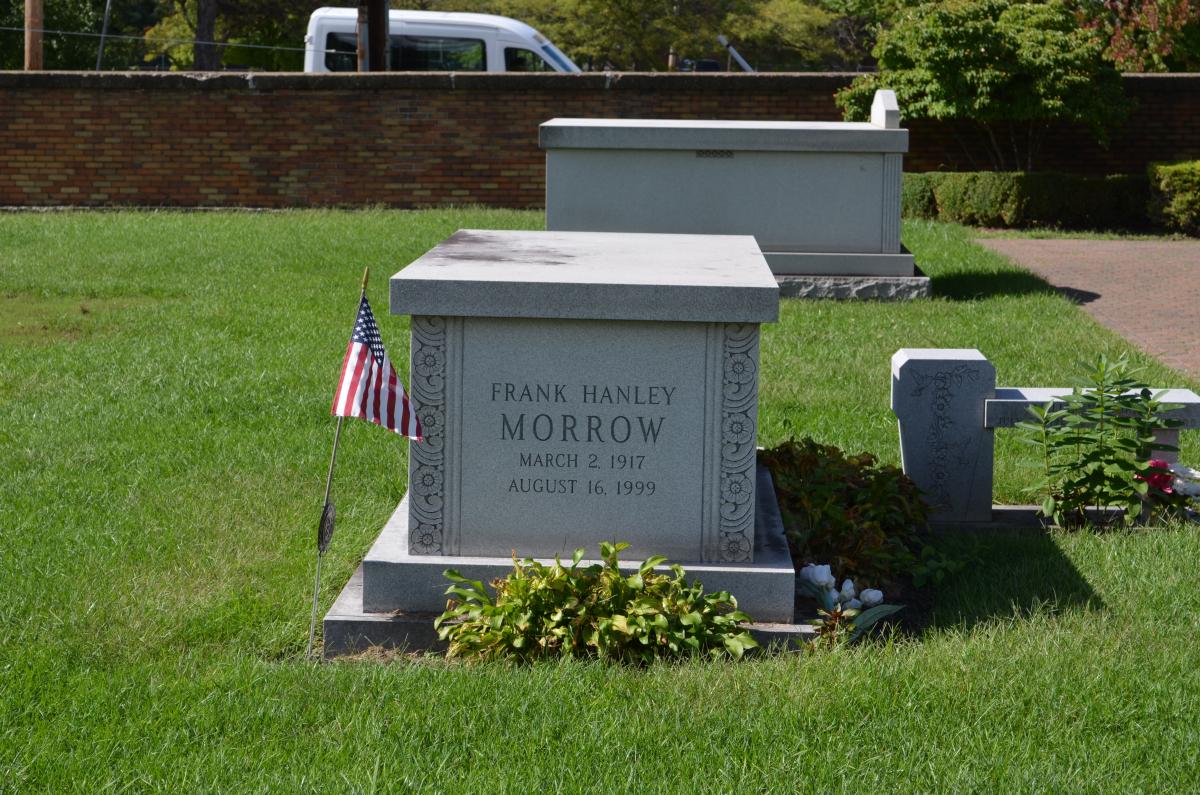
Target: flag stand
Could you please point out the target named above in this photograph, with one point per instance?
(328, 515)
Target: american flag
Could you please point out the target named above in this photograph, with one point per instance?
(369, 387)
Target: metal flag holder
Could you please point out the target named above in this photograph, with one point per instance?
(328, 513)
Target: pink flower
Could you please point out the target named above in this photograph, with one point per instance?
(1160, 477)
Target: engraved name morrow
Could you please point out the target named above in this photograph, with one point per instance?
(558, 413)
(427, 461)
(739, 417)
(948, 448)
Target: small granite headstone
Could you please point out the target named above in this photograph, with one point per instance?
(938, 396)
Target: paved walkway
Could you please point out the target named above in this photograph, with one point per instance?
(1146, 290)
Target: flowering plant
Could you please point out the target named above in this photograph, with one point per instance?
(1160, 477)
(845, 613)
(1171, 486)
(1096, 445)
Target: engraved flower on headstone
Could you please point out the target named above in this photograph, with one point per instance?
(430, 361)
(735, 488)
(739, 368)
(735, 547)
(428, 481)
(737, 429)
(431, 423)
(426, 539)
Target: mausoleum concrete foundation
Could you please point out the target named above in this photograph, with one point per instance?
(394, 596)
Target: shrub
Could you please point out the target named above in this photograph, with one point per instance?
(1175, 195)
(861, 517)
(1021, 200)
(917, 195)
(554, 610)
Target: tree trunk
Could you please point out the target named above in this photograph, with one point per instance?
(34, 21)
(207, 55)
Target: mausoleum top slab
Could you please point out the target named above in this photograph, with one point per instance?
(590, 275)
(767, 136)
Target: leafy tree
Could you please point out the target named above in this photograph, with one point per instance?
(1009, 69)
(59, 51)
(1147, 35)
(785, 35)
(263, 23)
(856, 27)
(78, 45)
(630, 35)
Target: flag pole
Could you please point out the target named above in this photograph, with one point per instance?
(325, 527)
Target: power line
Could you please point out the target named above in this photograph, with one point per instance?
(167, 42)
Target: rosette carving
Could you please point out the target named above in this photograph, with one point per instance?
(426, 465)
(739, 416)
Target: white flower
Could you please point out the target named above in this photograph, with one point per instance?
(1187, 480)
(854, 604)
(820, 576)
(1188, 488)
(848, 590)
(1185, 472)
(832, 597)
(872, 597)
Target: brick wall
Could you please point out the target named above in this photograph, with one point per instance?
(287, 140)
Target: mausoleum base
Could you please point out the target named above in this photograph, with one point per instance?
(809, 263)
(350, 630)
(394, 596)
(854, 288)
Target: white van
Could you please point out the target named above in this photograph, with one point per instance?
(432, 41)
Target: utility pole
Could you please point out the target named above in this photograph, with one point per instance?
(34, 21)
(103, 34)
(206, 55)
(377, 35)
(360, 38)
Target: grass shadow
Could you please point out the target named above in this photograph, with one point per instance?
(1011, 574)
(976, 284)
(1077, 296)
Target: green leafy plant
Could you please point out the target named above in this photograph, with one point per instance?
(933, 567)
(841, 626)
(1096, 445)
(557, 610)
(860, 516)
(1175, 197)
(1006, 70)
(841, 619)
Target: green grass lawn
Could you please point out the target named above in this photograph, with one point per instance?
(164, 433)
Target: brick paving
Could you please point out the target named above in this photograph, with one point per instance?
(1146, 290)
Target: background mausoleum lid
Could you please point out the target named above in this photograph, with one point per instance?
(597, 275)
(765, 136)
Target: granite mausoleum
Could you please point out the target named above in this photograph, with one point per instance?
(577, 387)
(821, 198)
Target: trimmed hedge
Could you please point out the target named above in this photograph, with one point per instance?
(1175, 195)
(1020, 200)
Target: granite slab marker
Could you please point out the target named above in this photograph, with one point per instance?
(938, 397)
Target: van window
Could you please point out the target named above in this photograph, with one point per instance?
(344, 57)
(438, 54)
(411, 53)
(518, 59)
